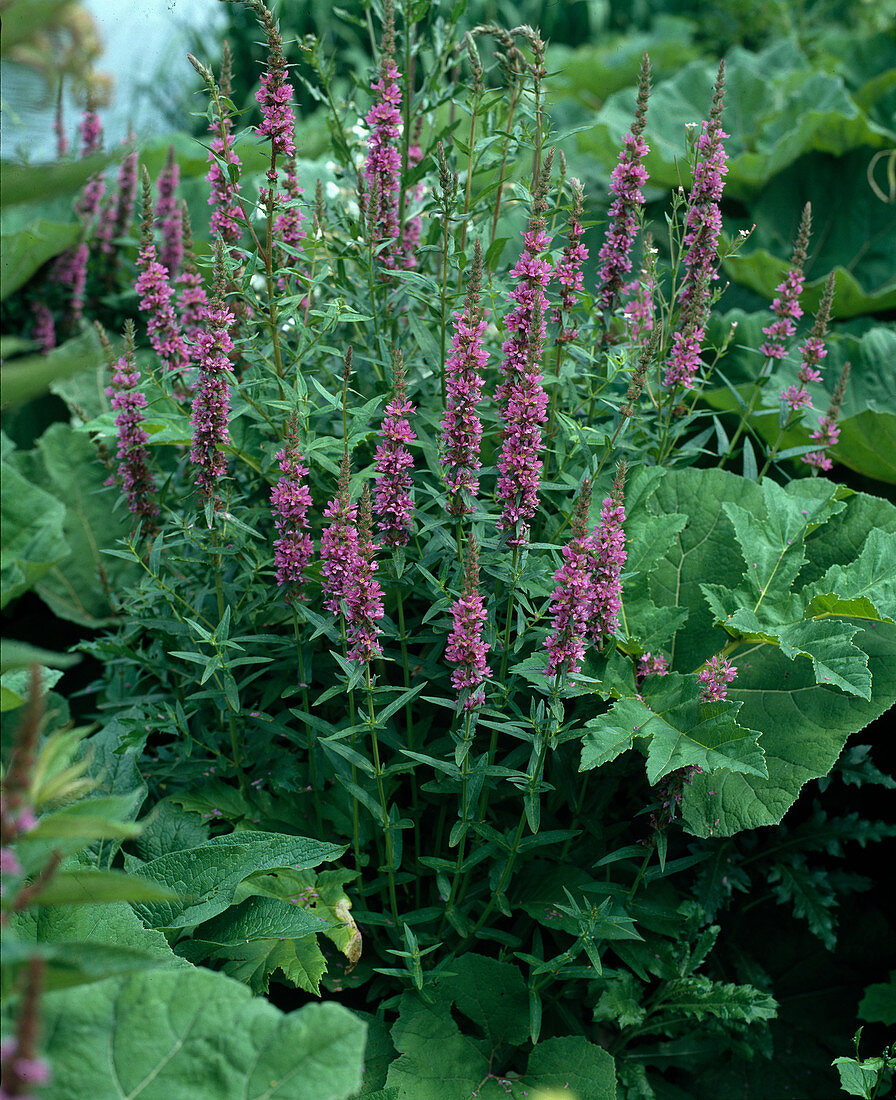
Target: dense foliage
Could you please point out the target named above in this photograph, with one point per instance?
(478, 634)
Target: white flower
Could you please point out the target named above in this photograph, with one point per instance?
(331, 189)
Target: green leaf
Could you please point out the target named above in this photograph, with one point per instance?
(260, 919)
(491, 993)
(621, 1001)
(865, 588)
(878, 1006)
(835, 659)
(22, 253)
(18, 655)
(809, 891)
(804, 727)
(31, 534)
(206, 878)
(90, 887)
(170, 829)
(572, 1062)
(699, 997)
(194, 1035)
(611, 734)
(859, 1078)
(299, 961)
(31, 375)
(435, 1062)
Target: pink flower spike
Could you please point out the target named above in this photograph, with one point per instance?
(466, 648)
(155, 294)
(278, 120)
(290, 501)
(521, 395)
(382, 169)
(339, 543)
(394, 506)
(573, 600)
(627, 179)
(461, 426)
(211, 399)
(651, 664)
(703, 225)
(827, 433)
(168, 212)
(128, 402)
(569, 269)
(364, 600)
(786, 306)
(192, 300)
(714, 679)
(607, 555)
(223, 190)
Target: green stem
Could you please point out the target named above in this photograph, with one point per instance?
(747, 413)
(312, 748)
(790, 421)
(387, 825)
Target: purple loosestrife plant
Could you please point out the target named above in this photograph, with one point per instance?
(467, 649)
(192, 300)
(274, 97)
(715, 678)
(382, 168)
(128, 402)
(43, 328)
(155, 295)
(607, 558)
(394, 505)
(626, 181)
(786, 306)
(461, 426)
(364, 598)
(290, 501)
(572, 603)
(168, 214)
(339, 543)
(118, 213)
(703, 224)
(224, 164)
(211, 398)
(569, 275)
(827, 433)
(523, 400)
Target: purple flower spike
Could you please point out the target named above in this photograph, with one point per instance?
(137, 482)
(715, 678)
(155, 294)
(573, 600)
(607, 557)
(827, 433)
(192, 301)
(211, 399)
(382, 169)
(569, 269)
(394, 507)
(652, 664)
(701, 239)
(116, 217)
(523, 400)
(168, 213)
(786, 306)
(628, 177)
(467, 649)
(290, 501)
(275, 94)
(43, 329)
(461, 426)
(364, 600)
(223, 191)
(339, 543)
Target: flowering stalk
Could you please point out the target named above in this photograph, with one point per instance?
(461, 426)
(607, 556)
(702, 227)
(827, 433)
(786, 306)
(572, 602)
(569, 276)
(116, 216)
(627, 179)
(155, 294)
(43, 328)
(168, 213)
(714, 679)
(288, 223)
(394, 506)
(466, 648)
(211, 400)
(128, 401)
(339, 543)
(224, 164)
(523, 401)
(811, 354)
(290, 500)
(447, 197)
(382, 169)
(651, 664)
(192, 300)
(787, 309)
(364, 598)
